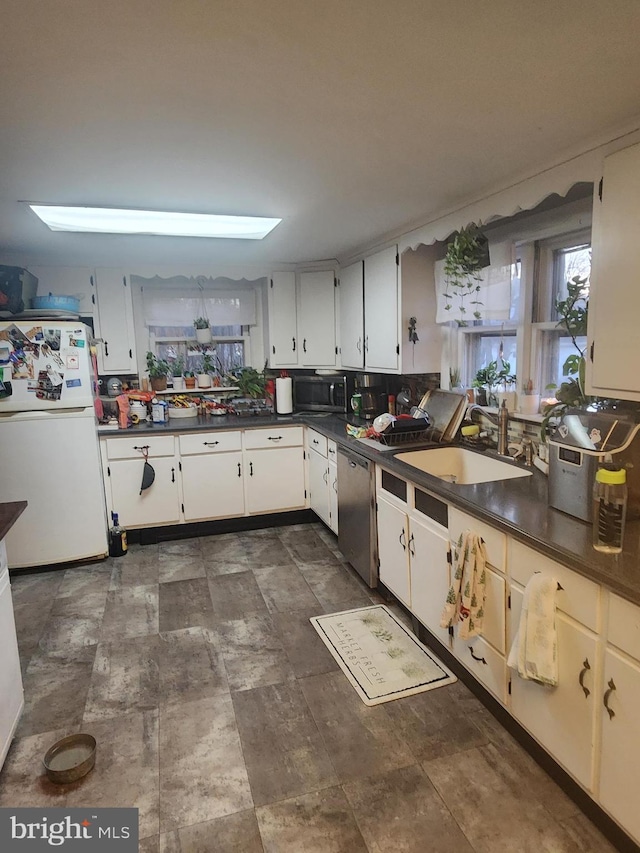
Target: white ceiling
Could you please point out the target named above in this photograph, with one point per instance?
(348, 118)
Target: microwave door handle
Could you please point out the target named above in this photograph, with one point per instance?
(332, 396)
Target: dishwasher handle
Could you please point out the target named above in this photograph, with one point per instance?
(354, 459)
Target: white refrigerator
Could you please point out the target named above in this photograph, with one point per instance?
(49, 452)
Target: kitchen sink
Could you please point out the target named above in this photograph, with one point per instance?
(461, 466)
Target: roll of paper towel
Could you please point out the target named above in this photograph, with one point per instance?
(284, 396)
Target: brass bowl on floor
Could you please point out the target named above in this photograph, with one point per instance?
(70, 759)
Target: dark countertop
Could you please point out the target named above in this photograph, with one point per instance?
(10, 512)
(519, 506)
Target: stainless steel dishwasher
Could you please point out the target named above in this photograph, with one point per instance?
(356, 514)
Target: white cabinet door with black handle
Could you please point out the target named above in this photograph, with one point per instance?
(158, 504)
(114, 322)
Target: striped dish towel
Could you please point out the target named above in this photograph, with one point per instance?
(465, 599)
(534, 651)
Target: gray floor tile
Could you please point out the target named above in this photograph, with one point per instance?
(304, 544)
(202, 773)
(186, 604)
(150, 844)
(86, 580)
(55, 689)
(306, 652)
(30, 620)
(141, 554)
(284, 588)
(125, 678)
(586, 836)
(265, 549)
(321, 822)
(180, 547)
(74, 621)
(126, 770)
(400, 810)
(336, 586)
(253, 653)
(360, 740)
(180, 567)
(235, 833)
(236, 595)
(131, 571)
(131, 611)
(23, 783)
(282, 747)
(496, 812)
(190, 666)
(223, 548)
(35, 587)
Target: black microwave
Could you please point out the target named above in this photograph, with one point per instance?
(330, 393)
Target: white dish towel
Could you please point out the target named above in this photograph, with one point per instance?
(465, 599)
(534, 652)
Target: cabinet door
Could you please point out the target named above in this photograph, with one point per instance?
(283, 335)
(319, 485)
(11, 694)
(430, 577)
(616, 257)
(562, 718)
(352, 316)
(274, 479)
(212, 486)
(114, 322)
(621, 742)
(317, 319)
(381, 310)
(333, 496)
(158, 504)
(68, 281)
(393, 538)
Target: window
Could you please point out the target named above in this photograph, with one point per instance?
(227, 347)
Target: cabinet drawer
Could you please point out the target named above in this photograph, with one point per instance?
(210, 442)
(332, 450)
(129, 448)
(255, 439)
(317, 442)
(624, 625)
(489, 667)
(579, 597)
(495, 541)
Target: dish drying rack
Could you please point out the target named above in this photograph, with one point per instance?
(442, 415)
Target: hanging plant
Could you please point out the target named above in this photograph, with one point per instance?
(467, 254)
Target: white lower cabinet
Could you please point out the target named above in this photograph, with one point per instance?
(159, 504)
(562, 718)
(274, 479)
(212, 486)
(319, 485)
(333, 496)
(393, 536)
(430, 577)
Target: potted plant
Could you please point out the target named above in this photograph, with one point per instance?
(158, 369)
(203, 330)
(208, 366)
(189, 379)
(484, 382)
(177, 368)
(467, 253)
(250, 382)
(507, 382)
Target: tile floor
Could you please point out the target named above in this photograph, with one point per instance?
(221, 716)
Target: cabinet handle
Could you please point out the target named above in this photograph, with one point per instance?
(251, 469)
(294, 344)
(353, 465)
(274, 438)
(359, 345)
(325, 476)
(400, 538)
(475, 657)
(304, 345)
(239, 470)
(173, 475)
(412, 551)
(335, 486)
(605, 700)
(366, 343)
(106, 349)
(210, 443)
(315, 441)
(586, 666)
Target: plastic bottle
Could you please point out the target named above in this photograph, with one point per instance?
(117, 538)
(609, 509)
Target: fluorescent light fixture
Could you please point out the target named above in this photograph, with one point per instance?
(107, 220)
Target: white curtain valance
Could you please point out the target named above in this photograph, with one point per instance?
(495, 288)
(179, 300)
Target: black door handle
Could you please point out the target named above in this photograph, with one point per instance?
(586, 666)
(404, 545)
(605, 700)
(210, 443)
(475, 657)
(304, 345)
(294, 344)
(173, 475)
(412, 551)
(239, 470)
(251, 469)
(106, 349)
(274, 438)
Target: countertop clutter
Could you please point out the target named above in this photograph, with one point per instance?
(517, 506)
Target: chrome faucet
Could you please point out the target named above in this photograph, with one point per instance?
(501, 421)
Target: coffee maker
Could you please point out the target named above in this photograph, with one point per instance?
(373, 395)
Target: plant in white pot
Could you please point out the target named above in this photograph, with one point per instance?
(203, 330)
(177, 368)
(208, 366)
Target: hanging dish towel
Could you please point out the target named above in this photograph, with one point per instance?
(465, 599)
(534, 652)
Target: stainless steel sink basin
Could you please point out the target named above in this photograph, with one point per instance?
(461, 466)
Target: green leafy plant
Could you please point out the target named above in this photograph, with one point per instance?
(157, 367)
(574, 312)
(208, 363)
(201, 323)
(466, 255)
(177, 366)
(491, 377)
(250, 382)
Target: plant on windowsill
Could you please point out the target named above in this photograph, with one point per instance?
(176, 369)
(189, 379)
(467, 253)
(574, 313)
(484, 382)
(208, 367)
(158, 370)
(203, 330)
(250, 382)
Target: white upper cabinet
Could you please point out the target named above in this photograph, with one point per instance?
(317, 319)
(283, 331)
(381, 345)
(352, 316)
(68, 281)
(614, 303)
(114, 322)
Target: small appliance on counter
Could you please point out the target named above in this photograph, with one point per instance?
(373, 399)
(582, 440)
(321, 393)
